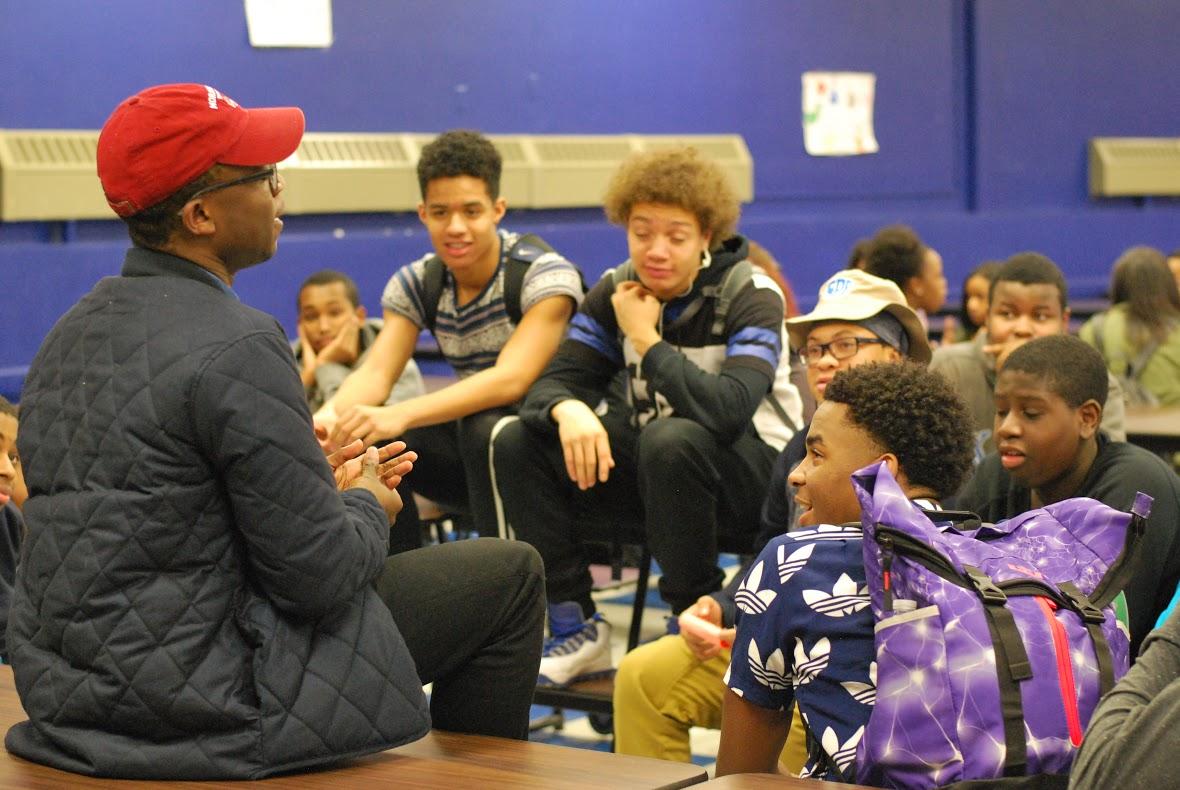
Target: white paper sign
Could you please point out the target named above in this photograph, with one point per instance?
(289, 23)
(838, 113)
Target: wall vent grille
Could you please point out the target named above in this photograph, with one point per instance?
(1134, 166)
(50, 174)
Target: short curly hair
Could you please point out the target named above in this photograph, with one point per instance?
(914, 413)
(678, 177)
(460, 152)
(895, 253)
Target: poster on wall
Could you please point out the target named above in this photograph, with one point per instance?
(289, 23)
(838, 113)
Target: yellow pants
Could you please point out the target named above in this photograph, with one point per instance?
(661, 690)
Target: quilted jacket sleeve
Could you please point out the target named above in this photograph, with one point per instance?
(309, 548)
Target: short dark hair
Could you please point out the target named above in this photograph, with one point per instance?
(915, 414)
(1032, 268)
(154, 226)
(327, 277)
(1070, 368)
(859, 254)
(895, 253)
(6, 407)
(460, 152)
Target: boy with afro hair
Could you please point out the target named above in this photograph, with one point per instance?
(805, 632)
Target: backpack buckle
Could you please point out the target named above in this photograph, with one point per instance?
(1081, 604)
(987, 589)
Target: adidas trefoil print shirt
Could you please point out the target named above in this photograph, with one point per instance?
(805, 634)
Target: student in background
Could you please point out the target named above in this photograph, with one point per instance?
(335, 336)
(1028, 299)
(12, 526)
(973, 307)
(1139, 336)
(791, 651)
(1048, 408)
(710, 404)
(495, 357)
(665, 687)
(896, 253)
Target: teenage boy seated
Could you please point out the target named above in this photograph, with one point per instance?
(896, 253)
(666, 687)
(690, 456)
(793, 649)
(494, 358)
(12, 526)
(1048, 407)
(335, 336)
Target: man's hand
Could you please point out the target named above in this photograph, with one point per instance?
(307, 357)
(394, 463)
(369, 424)
(370, 479)
(637, 312)
(584, 443)
(707, 609)
(345, 347)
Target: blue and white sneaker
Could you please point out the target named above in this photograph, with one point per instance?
(577, 650)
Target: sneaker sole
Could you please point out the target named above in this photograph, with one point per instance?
(597, 675)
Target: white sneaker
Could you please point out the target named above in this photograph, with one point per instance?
(580, 652)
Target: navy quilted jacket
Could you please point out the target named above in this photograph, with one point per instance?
(194, 598)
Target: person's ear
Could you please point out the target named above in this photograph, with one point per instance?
(196, 219)
(422, 213)
(1089, 418)
(1065, 321)
(499, 208)
(361, 313)
(891, 463)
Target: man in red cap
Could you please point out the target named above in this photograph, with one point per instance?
(202, 594)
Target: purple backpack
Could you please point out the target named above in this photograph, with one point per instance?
(995, 642)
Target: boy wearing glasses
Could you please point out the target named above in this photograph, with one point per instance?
(497, 350)
(666, 687)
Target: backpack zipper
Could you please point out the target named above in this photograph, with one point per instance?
(1065, 679)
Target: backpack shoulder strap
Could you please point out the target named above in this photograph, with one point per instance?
(622, 273)
(433, 277)
(521, 256)
(734, 280)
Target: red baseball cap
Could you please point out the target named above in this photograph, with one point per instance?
(164, 137)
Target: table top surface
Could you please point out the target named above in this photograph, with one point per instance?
(1157, 421)
(774, 782)
(440, 759)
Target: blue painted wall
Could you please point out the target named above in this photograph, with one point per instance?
(983, 113)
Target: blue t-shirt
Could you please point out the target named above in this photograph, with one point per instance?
(805, 635)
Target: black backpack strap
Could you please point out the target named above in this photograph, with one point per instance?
(816, 754)
(1092, 618)
(433, 278)
(521, 255)
(735, 279)
(1119, 573)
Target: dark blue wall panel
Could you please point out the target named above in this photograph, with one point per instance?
(983, 111)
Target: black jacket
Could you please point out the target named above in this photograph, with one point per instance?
(194, 598)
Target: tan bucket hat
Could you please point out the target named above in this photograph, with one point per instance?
(853, 295)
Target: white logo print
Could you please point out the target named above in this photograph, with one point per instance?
(771, 674)
(842, 753)
(749, 598)
(789, 566)
(843, 600)
(809, 665)
(864, 693)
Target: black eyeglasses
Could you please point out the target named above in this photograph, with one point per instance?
(840, 348)
(271, 174)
